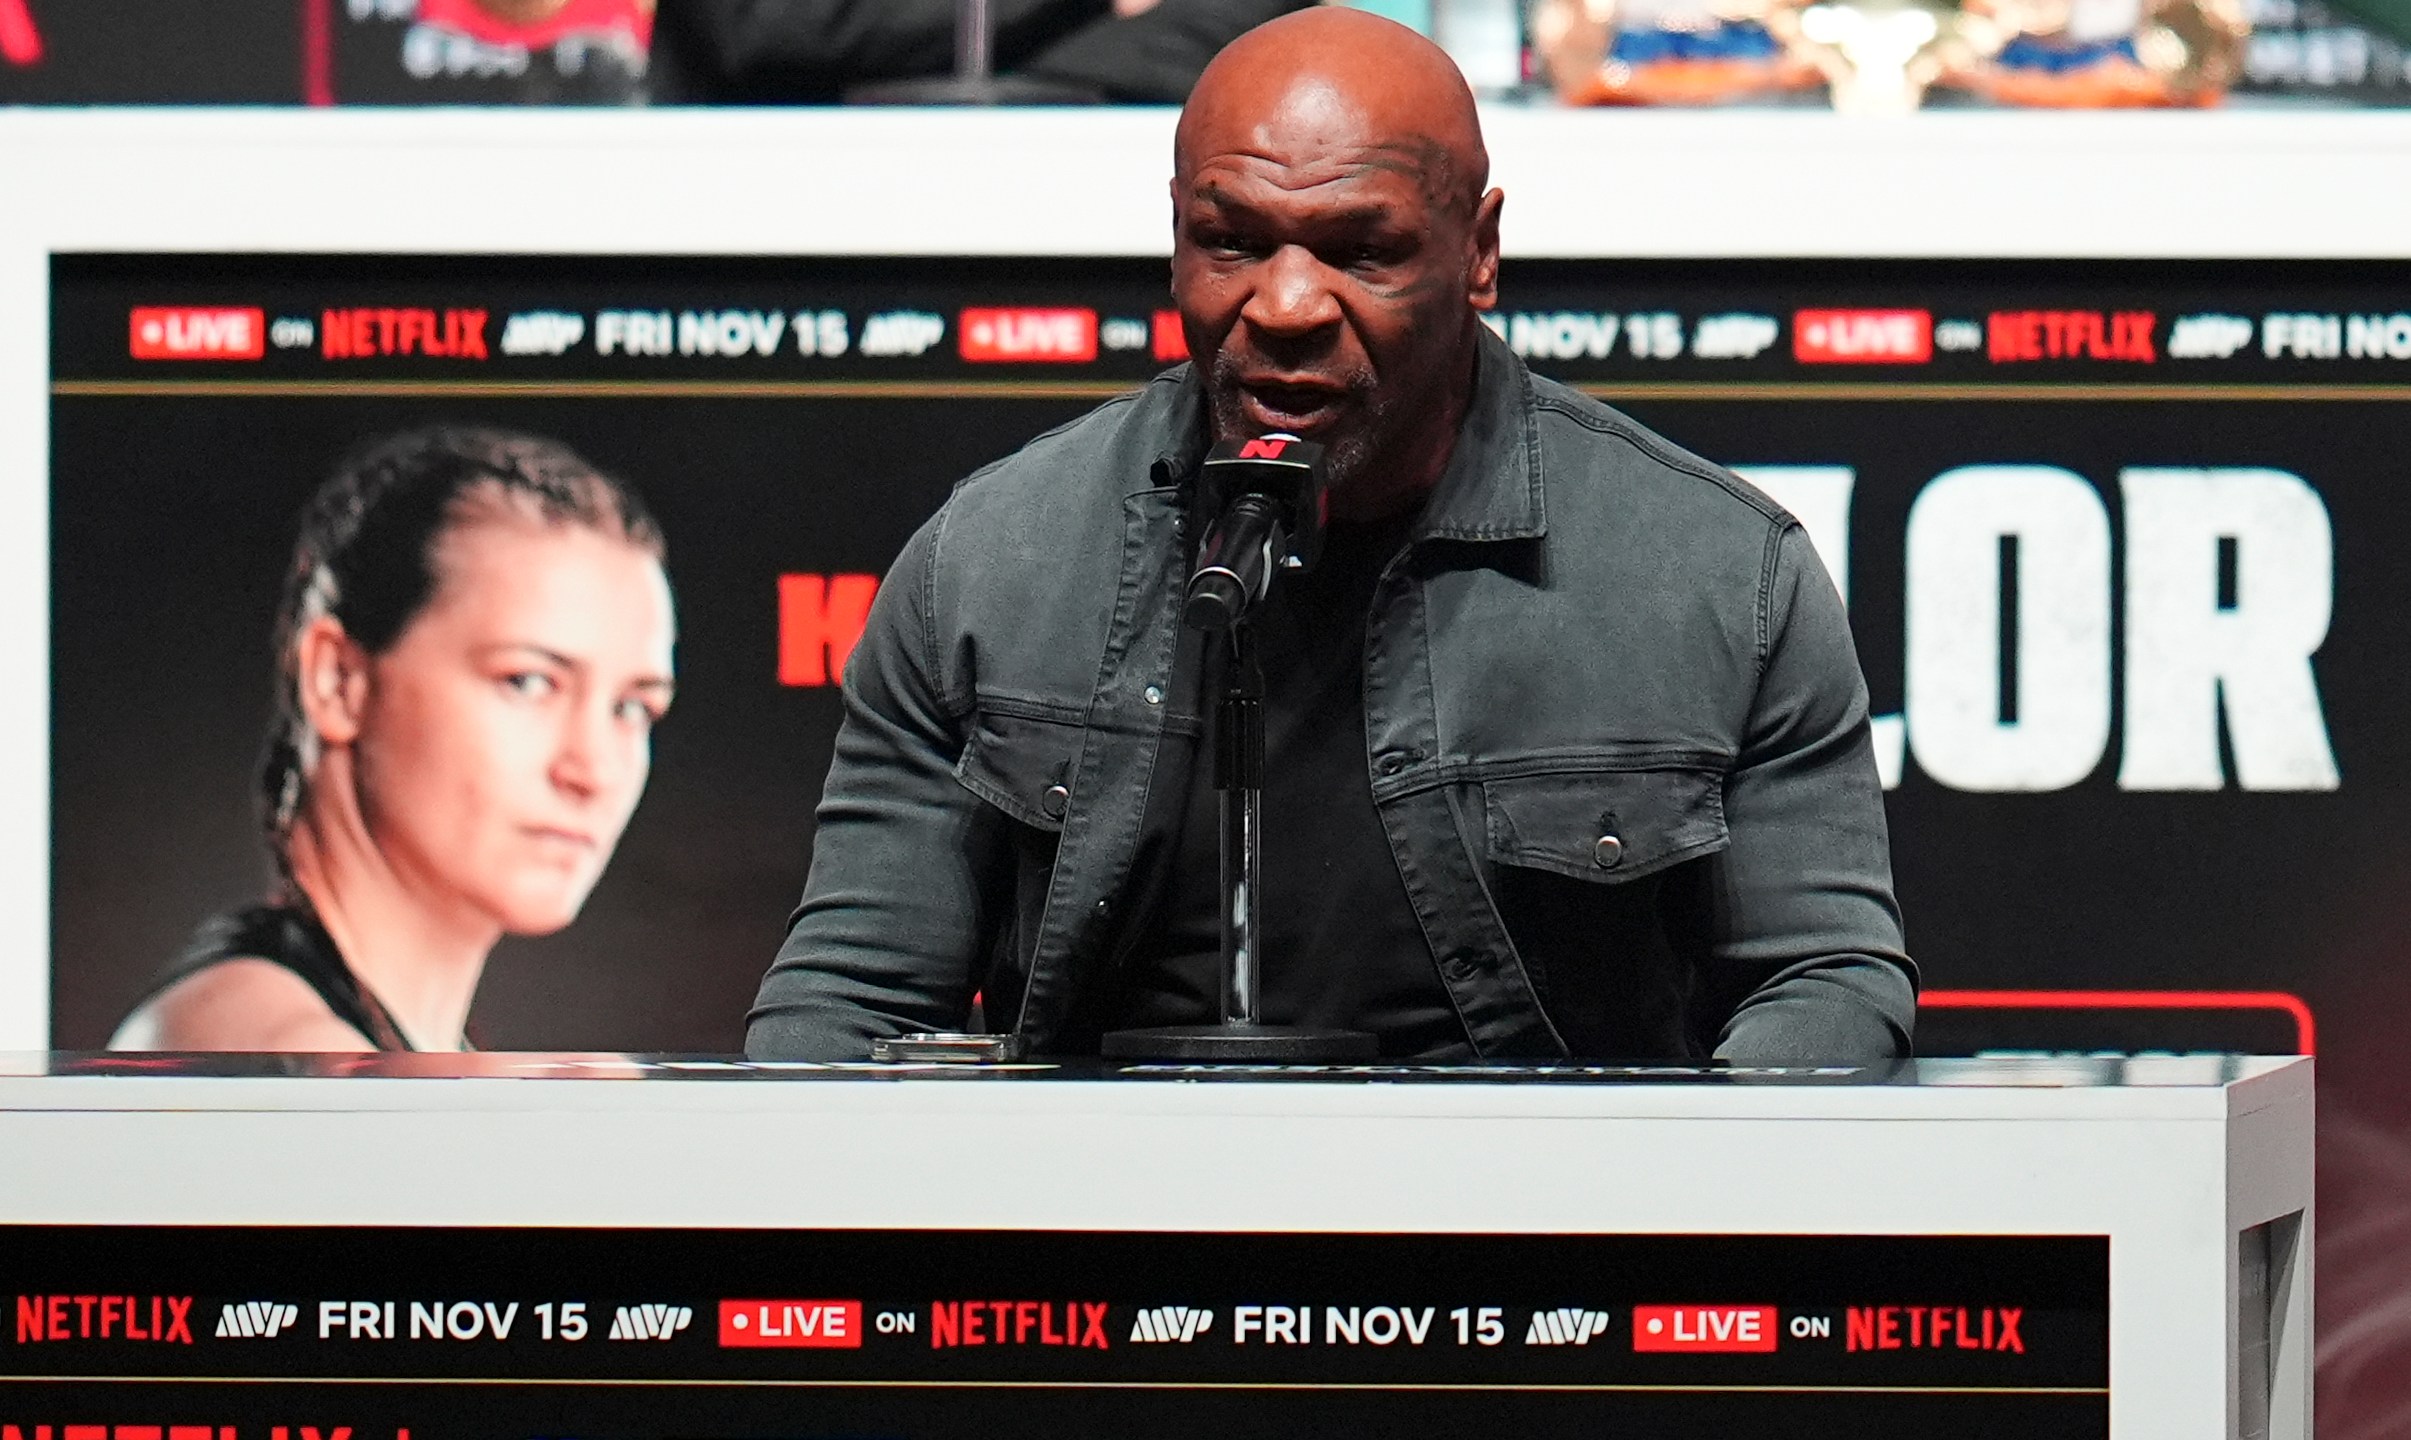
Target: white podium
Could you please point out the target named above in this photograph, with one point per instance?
(2045, 1247)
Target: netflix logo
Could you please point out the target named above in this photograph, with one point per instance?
(791, 1324)
(1934, 1327)
(168, 332)
(177, 1433)
(1017, 1322)
(1050, 336)
(116, 1432)
(368, 334)
(2015, 335)
(162, 1318)
(1703, 1329)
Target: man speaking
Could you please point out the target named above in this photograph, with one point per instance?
(1566, 744)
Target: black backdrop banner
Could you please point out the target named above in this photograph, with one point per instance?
(2115, 538)
(447, 1333)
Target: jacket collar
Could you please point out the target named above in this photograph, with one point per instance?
(1491, 489)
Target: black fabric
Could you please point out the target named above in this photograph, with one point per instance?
(1153, 58)
(810, 51)
(1342, 946)
(290, 936)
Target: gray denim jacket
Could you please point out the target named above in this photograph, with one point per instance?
(1614, 727)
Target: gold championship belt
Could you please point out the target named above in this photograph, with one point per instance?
(1880, 57)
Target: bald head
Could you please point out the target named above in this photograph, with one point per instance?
(1331, 243)
(1318, 83)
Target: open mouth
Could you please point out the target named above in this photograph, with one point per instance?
(1298, 408)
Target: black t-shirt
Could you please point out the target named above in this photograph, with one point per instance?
(1342, 946)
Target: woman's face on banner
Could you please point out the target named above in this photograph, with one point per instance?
(508, 730)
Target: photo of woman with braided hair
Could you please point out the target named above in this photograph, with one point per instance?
(474, 644)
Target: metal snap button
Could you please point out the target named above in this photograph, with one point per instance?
(1392, 763)
(1462, 965)
(1608, 853)
(1155, 694)
(1055, 801)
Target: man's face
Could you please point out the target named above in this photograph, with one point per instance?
(1323, 280)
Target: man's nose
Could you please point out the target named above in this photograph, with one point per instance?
(1292, 295)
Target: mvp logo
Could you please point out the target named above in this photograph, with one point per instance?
(1170, 1324)
(650, 1322)
(256, 1320)
(1567, 1325)
(167, 332)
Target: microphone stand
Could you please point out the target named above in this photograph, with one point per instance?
(974, 81)
(1239, 790)
(1242, 1037)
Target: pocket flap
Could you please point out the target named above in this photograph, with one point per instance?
(1021, 765)
(1604, 825)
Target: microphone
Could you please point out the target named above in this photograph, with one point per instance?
(1270, 501)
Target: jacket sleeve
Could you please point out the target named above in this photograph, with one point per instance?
(900, 897)
(1803, 937)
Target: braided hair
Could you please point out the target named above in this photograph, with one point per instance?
(366, 555)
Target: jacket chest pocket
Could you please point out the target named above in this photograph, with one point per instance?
(1604, 825)
(1022, 765)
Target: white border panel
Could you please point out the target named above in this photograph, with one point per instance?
(2153, 1168)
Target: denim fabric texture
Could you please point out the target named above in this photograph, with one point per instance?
(1615, 729)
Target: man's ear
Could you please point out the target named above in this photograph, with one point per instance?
(1482, 279)
(331, 671)
(1172, 188)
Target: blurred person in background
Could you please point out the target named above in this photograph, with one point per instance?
(473, 647)
(812, 51)
(490, 52)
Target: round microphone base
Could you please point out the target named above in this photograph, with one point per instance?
(1242, 1045)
